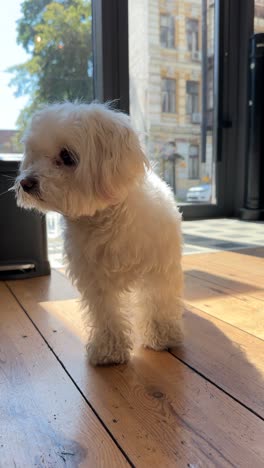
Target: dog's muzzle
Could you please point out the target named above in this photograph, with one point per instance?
(30, 185)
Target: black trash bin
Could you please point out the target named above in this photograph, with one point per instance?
(23, 237)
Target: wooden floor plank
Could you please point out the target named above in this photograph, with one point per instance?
(44, 420)
(246, 313)
(161, 412)
(257, 251)
(244, 288)
(251, 260)
(231, 358)
(236, 271)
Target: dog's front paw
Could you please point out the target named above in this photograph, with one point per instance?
(107, 348)
(162, 335)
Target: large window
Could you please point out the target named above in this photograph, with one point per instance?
(167, 90)
(168, 95)
(46, 56)
(167, 31)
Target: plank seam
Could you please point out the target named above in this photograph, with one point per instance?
(71, 378)
(217, 386)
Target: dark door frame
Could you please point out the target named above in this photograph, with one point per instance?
(110, 43)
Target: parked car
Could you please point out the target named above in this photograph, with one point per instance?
(199, 194)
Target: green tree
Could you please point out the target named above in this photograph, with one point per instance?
(57, 36)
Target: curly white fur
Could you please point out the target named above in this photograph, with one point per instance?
(122, 226)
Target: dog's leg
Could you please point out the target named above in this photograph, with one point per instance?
(160, 319)
(110, 331)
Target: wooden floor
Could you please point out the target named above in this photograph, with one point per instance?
(198, 406)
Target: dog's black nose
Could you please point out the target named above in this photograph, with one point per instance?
(29, 184)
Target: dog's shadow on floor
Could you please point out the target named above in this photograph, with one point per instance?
(233, 361)
(230, 358)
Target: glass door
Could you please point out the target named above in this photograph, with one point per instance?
(173, 92)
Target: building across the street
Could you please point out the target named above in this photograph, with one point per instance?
(168, 56)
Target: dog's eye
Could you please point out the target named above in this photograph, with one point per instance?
(68, 158)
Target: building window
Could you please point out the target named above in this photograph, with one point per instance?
(168, 95)
(210, 89)
(193, 167)
(192, 101)
(210, 30)
(167, 31)
(192, 37)
(259, 10)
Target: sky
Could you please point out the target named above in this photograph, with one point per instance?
(10, 54)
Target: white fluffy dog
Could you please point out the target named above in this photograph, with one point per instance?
(122, 226)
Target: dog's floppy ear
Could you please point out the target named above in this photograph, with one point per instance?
(115, 156)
